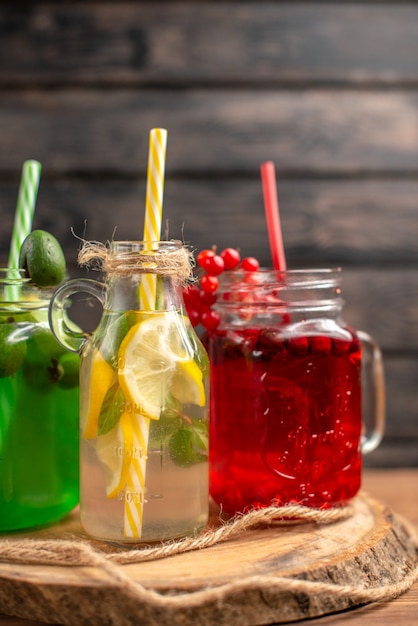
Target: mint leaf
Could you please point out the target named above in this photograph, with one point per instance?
(200, 439)
(172, 408)
(110, 337)
(169, 422)
(112, 408)
(189, 445)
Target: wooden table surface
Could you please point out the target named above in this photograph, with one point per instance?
(396, 488)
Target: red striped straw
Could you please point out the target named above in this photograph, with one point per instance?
(271, 207)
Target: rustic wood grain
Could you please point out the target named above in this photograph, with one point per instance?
(326, 223)
(402, 397)
(225, 131)
(367, 309)
(372, 548)
(163, 42)
(329, 91)
(393, 453)
(399, 490)
(334, 222)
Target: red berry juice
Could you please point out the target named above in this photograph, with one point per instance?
(285, 418)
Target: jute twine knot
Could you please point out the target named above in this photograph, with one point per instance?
(176, 262)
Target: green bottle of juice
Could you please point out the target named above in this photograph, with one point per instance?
(39, 408)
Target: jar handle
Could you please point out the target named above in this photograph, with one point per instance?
(61, 326)
(373, 393)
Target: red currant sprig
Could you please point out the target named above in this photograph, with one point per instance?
(199, 299)
(212, 263)
(231, 258)
(250, 264)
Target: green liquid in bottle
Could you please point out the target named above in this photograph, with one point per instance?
(39, 475)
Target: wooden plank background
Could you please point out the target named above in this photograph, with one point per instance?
(327, 90)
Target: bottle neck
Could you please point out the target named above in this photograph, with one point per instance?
(144, 292)
(146, 275)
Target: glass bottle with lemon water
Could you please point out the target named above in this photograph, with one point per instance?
(144, 379)
(39, 397)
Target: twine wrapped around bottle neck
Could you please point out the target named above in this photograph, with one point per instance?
(176, 262)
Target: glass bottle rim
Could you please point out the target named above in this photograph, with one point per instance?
(19, 293)
(268, 291)
(295, 278)
(12, 276)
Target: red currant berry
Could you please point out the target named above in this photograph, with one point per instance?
(250, 264)
(210, 319)
(194, 316)
(251, 278)
(203, 257)
(191, 295)
(214, 265)
(207, 299)
(209, 284)
(341, 346)
(321, 344)
(298, 345)
(231, 258)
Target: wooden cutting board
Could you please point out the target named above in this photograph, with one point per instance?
(240, 582)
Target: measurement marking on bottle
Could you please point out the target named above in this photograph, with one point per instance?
(132, 453)
(156, 458)
(132, 497)
(132, 408)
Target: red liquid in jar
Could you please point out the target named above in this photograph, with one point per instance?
(285, 419)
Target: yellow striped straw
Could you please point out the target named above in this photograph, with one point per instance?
(134, 509)
(153, 207)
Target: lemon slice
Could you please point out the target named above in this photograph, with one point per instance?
(149, 356)
(101, 378)
(187, 384)
(114, 450)
(163, 332)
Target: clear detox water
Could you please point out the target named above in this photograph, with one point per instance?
(143, 480)
(172, 506)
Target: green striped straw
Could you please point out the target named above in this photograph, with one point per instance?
(26, 201)
(25, 209)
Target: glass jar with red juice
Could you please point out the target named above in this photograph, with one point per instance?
(296, 394)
